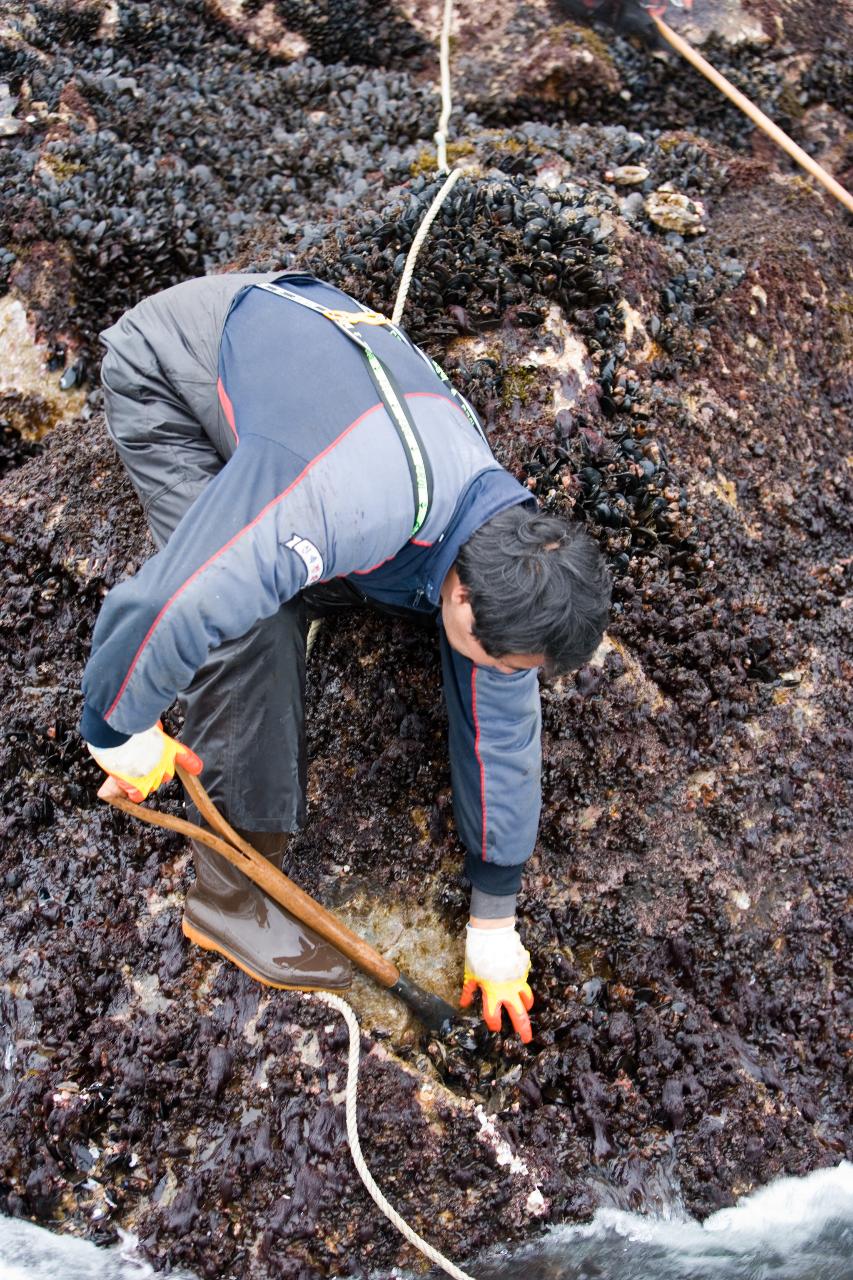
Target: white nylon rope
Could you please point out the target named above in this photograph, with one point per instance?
(364, 1173)
(446, 103)
(423, 230)
(314, 629)
(441, 146)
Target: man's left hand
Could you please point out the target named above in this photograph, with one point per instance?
(143, 763)
(497, 963)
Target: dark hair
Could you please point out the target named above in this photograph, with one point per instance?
(536, 585)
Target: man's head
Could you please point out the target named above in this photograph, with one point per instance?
(527, 590)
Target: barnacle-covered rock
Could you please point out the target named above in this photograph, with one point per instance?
(528, 63)
(627, 175)
(675, 211)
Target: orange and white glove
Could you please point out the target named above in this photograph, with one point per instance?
(145, 761)
(497, 963)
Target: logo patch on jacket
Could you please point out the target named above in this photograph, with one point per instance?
(309, 555)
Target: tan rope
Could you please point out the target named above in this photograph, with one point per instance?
(313, 635)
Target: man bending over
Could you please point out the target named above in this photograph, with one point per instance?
(297, 455)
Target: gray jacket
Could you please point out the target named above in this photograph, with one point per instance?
(317, 485)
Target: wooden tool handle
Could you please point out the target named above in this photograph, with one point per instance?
(756, 116)
(279, 887)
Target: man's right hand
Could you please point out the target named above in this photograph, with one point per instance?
(142, 764)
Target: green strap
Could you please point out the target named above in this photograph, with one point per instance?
(457, 396)
(396, 409)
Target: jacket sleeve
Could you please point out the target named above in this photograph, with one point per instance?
(255, 536)
(495, 760)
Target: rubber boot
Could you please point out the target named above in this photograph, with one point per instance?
(226, 912)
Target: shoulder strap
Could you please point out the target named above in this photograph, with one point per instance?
(394, 402)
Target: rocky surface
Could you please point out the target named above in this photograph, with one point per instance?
(688, 397)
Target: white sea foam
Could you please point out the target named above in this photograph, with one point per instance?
(793, 1229)
(795, 1207)
(28, 1252)
(792, 1204)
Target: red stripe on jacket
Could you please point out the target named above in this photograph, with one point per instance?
(479, 757)
(227, 408)
(437, 395)
(230, 543)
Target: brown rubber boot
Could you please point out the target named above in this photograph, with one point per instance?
(226, 912)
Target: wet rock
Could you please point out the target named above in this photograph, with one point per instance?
(31, 401)
(262, 28)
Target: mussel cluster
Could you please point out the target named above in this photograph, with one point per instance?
(149, 143)
(151, 151)
(14, 450)
(620, 482)
(497, 243)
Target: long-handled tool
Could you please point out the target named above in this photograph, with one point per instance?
(758, 117)
(625, 15)
(430, 1009)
